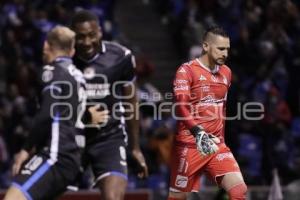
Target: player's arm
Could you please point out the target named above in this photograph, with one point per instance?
(133, 129)
(182, 92)
(41, 123)
(129, 90)
(44, 117)
(182, 85)
(94, 116)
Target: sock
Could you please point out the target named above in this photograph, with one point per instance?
(238, 192)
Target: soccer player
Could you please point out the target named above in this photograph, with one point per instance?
(109, 72)
(200, 89)
(57, 132)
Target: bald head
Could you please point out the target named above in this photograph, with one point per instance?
(61, 38)
(60, 41)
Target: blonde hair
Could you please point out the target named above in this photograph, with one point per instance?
(61, 38)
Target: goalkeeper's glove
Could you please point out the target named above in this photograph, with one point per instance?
(206, 143)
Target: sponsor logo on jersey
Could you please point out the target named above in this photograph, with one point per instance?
(181, 87)
(222, 156)
(181, 181)
(205, 88)
(210, 99)
(207, 98)
(202, 78)
(180, 81)
(97, 90)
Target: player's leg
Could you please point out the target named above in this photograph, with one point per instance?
(112, 182)
(14, 193)
(41, 179)
(186, 165)
(234, 185)
(226, 172)
(108, 160)
(177, 195)
(31, 175)
(112, 187)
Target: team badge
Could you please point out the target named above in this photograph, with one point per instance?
(89, 73)
(47, 76)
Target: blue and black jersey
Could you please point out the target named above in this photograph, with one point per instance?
(57, 134)
(106, 74)
(58, 122)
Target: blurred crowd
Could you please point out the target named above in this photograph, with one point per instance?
(265, 41)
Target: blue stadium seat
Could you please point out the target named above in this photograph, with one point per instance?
(251, 150)
(295, 127)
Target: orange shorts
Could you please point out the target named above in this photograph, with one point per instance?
(188, 164)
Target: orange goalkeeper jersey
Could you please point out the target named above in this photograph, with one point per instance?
(205, 92)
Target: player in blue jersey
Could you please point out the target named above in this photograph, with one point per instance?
(109, 71)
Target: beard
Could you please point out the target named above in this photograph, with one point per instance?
(220, 61)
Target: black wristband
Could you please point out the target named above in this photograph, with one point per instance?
(195, 129)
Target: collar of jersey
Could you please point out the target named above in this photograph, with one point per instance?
(103, 50)
(90, 60)
(103, 47)
(63, 59)
(215, 70)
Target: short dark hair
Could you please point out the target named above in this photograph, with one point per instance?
(83, 16)
(216, 30)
